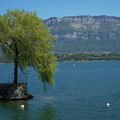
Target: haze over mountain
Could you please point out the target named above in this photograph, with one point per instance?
(85, 33)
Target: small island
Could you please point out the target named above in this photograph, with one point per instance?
(26, 42)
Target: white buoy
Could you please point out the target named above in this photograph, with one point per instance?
(22, 106)
(108, 104)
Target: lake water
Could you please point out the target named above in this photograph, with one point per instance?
(81, 92)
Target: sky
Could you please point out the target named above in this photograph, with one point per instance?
(60, 8)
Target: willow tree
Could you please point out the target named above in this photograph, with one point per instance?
(27, 42)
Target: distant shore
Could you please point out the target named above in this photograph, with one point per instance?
(87, 57)
(80, 57)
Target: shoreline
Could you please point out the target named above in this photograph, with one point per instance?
(84, 57)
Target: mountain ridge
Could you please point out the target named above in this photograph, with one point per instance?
(85, 33)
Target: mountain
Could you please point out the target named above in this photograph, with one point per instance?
(85, 33)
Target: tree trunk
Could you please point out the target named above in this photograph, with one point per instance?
(16, 65)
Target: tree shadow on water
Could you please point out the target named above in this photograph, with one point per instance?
(14, 111)
(48, 113)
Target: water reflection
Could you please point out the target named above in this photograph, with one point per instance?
(13, 111)
(21, 113)
(48, 113)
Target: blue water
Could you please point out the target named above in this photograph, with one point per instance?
(81, 92)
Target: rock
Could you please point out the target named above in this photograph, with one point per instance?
(14, 91)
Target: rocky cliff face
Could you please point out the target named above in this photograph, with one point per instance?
(86, 33)
(84, 20)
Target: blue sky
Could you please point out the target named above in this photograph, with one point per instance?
(60, 8)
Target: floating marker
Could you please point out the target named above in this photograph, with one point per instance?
(108, 104)
(22, 106)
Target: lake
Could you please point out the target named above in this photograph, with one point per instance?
(81, 92)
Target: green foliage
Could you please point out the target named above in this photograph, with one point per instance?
(26, 32)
